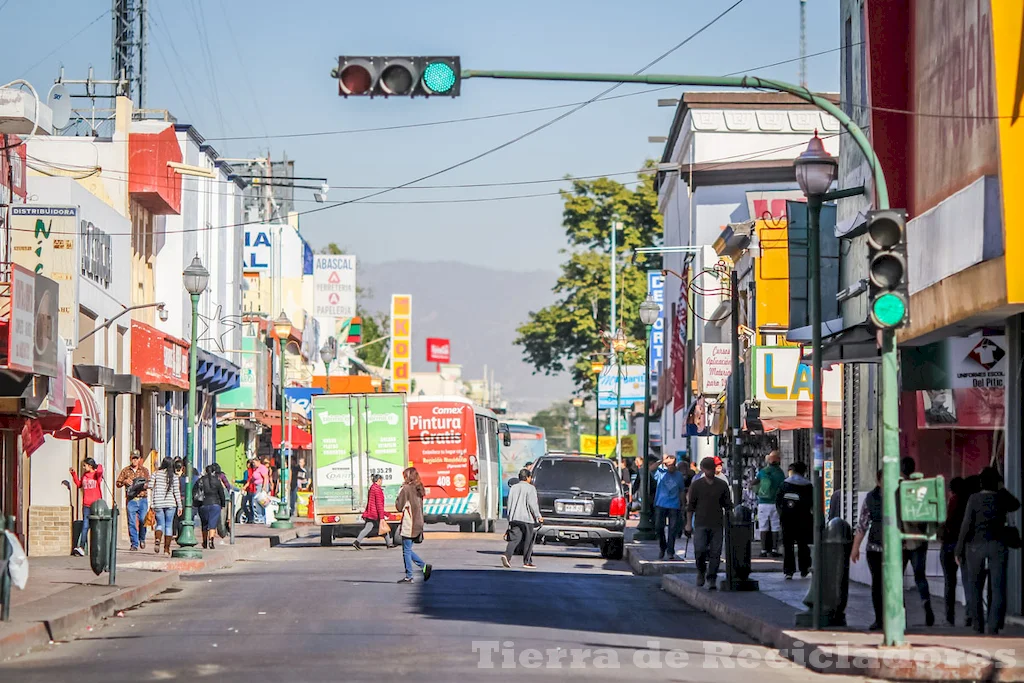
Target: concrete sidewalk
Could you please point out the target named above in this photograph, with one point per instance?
(63, 596)
(643, 559)
(940, 652)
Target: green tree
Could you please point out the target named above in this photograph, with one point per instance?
(555, 421)
(332, 249)
(375, 326)
(563, 336)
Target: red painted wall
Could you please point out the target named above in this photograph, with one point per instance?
(150, 181)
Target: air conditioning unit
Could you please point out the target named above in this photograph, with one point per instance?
(18, 115)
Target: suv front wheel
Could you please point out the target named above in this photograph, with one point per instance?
(612, 550)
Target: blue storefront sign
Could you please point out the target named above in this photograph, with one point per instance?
(301, 399)
(656, 290)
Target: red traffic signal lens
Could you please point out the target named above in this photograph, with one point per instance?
(355, 79)
(397, 79)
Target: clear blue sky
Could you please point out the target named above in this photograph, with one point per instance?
(289, 49)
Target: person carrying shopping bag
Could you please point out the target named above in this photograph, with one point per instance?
(410, 503)
(374, 516)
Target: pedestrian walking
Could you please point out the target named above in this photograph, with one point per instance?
(208, 497)
(89, 482)
(299, 482)
(708, 501)
(165, 501)
(984, 544)
(135, 479)
(248, 483)
(410, 502)
(949, 533)
(523, 518)
(915, 552)
(869, 526)
(766, 485)
(374, 516)
(668, 505)
(795, 505)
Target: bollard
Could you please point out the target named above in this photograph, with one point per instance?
(112, 568)
(231, 517)
(99, 536)
(739, 532)
(837, 542)
(5, 571)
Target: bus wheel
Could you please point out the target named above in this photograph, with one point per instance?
(326, 535)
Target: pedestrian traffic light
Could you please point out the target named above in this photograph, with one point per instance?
(888, 299)
(398, 76)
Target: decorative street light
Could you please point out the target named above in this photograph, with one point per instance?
(619, 345)
(195, 279)
(597, 367)
(328, 353)
(649, 311)
(283, 330)
(815, 172)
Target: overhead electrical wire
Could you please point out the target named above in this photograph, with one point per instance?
(66, 42)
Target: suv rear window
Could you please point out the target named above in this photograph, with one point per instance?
(589, 475)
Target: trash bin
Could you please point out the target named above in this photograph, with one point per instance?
(837, 542)
(739, 533)
(100, 519)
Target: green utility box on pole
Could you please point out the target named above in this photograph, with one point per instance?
(923, 500)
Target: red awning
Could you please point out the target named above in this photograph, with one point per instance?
(83, 422)
(789, 415)
(298, 437)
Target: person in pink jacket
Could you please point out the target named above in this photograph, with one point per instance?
(89, 482)
(374, 514)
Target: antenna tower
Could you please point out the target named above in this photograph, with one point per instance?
(803, 43)
(128, 55)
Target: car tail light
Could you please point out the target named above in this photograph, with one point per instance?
(330, 519)
(617, 507)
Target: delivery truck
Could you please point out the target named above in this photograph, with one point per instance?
(354, 437)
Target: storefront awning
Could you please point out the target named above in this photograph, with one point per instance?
(789, 415)
(83, 421)
(297, 437)
(160, 360)
(215, 374)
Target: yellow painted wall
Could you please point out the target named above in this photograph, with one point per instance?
(1008, 49)
(771, 274)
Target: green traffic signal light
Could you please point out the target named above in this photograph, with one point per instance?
(889, 310)
(439, 77)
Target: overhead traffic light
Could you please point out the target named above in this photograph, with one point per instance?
(398, 76)
(888, 298)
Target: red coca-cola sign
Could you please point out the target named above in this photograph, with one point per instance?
(439, 350)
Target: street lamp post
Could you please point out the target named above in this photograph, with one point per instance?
(283, 330)
(327, 354)
(649, 311)
(195, 278)
(597, 367)
(619, 345)
(815, 172)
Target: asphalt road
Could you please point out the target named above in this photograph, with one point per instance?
(306, 613)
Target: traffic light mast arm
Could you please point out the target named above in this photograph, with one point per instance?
(749, 82)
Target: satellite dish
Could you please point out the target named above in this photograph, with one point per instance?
(59, 102)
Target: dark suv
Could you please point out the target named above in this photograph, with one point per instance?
(582, 501)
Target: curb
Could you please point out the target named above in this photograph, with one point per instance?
(644, 567)
(26, 636)
(35, 634)
(895, 664)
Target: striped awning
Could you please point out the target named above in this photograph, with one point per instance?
(83, 420)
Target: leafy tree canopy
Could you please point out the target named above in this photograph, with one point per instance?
(564, 335)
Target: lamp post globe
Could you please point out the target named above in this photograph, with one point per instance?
(620, 342)
(195, 277)
(649, 311)
(815, 168)
(282, 327)
(327, 355)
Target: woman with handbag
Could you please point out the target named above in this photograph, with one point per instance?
(209, 499)
(410, 503)
(984, 543)
(375, 516)
(166, 502)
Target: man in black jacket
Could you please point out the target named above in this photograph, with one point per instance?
(794, 500)
(708, 500)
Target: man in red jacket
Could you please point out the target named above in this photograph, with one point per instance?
(374, 514)
(89, 482)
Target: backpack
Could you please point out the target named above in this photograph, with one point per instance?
(199, 493)
(766, 487)
(137, 487)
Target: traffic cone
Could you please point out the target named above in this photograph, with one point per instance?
(309, 508)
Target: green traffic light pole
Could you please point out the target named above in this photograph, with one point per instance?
(187, 535)
(283, 520)
(892, 538)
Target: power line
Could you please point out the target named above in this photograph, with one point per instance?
(58, 48)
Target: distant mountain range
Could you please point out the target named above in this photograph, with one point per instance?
(479, 310)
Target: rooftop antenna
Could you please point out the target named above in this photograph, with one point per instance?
(128, 52)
